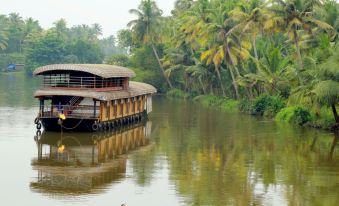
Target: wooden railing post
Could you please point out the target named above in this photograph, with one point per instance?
(95, 107)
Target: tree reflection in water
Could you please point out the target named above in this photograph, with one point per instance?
(230, 159)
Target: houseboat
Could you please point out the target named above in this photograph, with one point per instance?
(90, 97)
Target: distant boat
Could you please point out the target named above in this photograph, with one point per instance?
(14, 68)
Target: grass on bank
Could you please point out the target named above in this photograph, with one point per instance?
(223, 103)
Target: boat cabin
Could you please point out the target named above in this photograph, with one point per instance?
(90, 97)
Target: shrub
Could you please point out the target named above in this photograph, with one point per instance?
(268, 105)
(296, 115)
(209, 100)
(246, 105)
(217, 101)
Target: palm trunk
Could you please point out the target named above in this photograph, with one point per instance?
(335, 113)
(220, 81)
(160, 65)
(211, 89)
(186, 83)
(296, 42)
(250, 92)
(235, 85)
(202, 86)
(255, 48)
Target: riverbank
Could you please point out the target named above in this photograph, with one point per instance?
(272, 107)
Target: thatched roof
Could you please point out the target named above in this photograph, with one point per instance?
(135, 89)
(102, 70)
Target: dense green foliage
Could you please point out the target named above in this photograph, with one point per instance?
(25, 42)
(268, 105)
(270, 54)
(119, 59)
(295, 114)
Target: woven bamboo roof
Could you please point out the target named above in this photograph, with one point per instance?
(102, 70)
(135, 89)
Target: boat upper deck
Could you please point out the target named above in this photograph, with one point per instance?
(85, 76)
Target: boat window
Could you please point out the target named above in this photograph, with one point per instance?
(56, 80)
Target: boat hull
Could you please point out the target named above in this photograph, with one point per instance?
(86, 125)
(70, 124)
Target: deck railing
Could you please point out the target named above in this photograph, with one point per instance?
(81, 111)
(82, 82)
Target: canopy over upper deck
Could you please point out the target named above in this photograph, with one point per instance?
(101, 70)
(135, 89)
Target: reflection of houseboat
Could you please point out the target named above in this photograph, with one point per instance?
(80, 162)
(87, 97)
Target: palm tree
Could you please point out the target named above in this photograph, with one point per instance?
(181, 6)
(272, 71)
(192, 23)
(3, 32)
(96, 29)
(145, 27)
(16, 29)
(295, 16)
(180, 60)
(31, 27)
(224, 44)
(61, 27)
(251, 18)
(3, 39)
(322, 85)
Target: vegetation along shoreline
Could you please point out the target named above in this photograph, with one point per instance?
(272, 107)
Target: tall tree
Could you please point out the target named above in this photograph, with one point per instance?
(60, 27)
(96, 29)
(251, 19)
(321, 87)
(146, 26)
(31, 26)
(3, 38)
(45, 48)
(294, 17)
(125, 39)
(225, 46)
(16, 30)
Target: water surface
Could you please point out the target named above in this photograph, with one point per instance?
(184, 155)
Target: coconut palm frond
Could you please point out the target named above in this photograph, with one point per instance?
(327, 92)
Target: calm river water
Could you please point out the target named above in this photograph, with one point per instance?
(184, 155)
